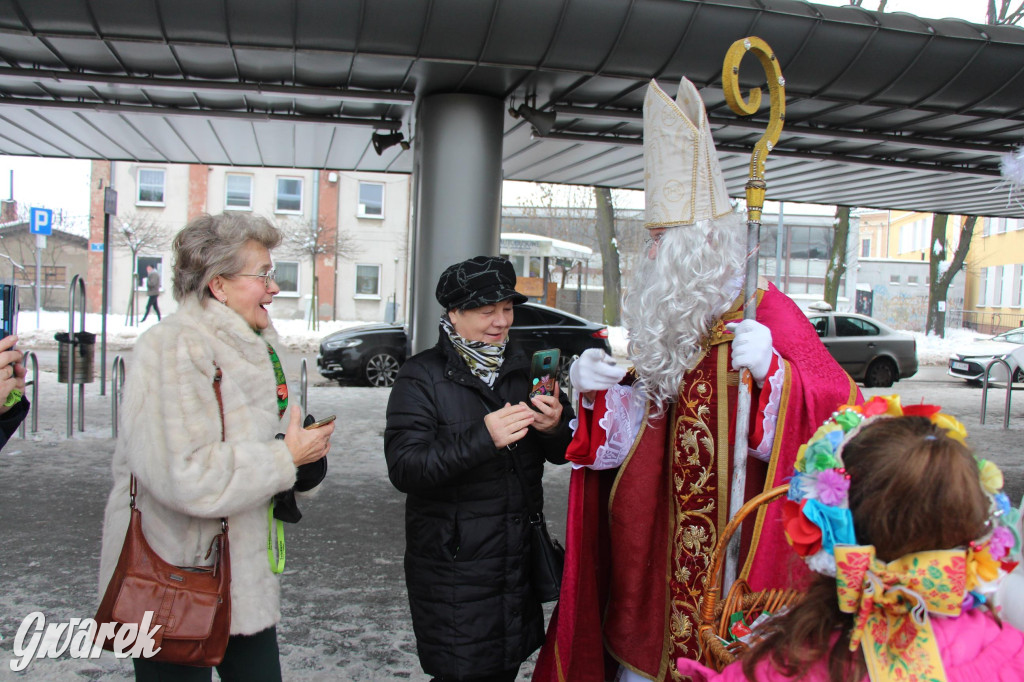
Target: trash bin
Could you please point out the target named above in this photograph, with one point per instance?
(84, 347)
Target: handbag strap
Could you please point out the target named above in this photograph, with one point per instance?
(217, 376)
(536, 515)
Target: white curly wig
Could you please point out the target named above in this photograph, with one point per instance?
(694, 277)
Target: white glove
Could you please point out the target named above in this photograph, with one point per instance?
(751, 348)
(595, 370)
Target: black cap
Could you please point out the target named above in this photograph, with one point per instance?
(477, 282)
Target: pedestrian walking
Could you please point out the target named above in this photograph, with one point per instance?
(153, 290)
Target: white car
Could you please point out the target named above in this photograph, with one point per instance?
(969, 362)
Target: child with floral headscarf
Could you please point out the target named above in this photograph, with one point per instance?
(910, 535)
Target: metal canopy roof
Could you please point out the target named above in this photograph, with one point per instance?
(883, 110)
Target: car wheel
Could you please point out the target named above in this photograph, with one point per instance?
(1018, 376)
(380, 368)
(881, 373)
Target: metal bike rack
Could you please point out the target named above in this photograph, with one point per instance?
(303, 385)
(77, 284)
(30, 357)
(1009, 390)
(116, 390)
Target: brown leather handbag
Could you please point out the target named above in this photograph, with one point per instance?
(192, 604)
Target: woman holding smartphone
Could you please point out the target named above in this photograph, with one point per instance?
(458, 428)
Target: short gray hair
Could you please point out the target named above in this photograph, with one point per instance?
(211, 245)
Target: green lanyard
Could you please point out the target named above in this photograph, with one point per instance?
(276, 559)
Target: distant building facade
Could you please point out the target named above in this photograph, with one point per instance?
(369, 213)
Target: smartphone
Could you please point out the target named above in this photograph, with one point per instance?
(9, 312)
(322, 422)
(544, 372)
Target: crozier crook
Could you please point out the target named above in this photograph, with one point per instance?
(755, 189)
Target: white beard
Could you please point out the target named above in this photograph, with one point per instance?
(677, 296)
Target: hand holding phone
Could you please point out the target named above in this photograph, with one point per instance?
(544, 372)
(318, 424)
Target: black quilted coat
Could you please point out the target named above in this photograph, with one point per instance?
(466, 525)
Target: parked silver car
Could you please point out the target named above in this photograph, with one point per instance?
(870, 352)
(970, 361)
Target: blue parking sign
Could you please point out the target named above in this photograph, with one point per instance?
(40, 221)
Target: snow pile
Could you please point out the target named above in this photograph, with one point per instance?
(296, 335)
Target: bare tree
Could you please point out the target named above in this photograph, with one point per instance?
(139, 232)
(610, 273)
(1001, 12)
(939, 279)
(304, 239)
(837, 258)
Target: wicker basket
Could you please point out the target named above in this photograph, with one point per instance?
(713, 629)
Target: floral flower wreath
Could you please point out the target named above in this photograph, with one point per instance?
(817, 514)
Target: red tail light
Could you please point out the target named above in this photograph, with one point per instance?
(601, 333)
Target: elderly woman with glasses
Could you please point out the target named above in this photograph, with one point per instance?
(198, 457)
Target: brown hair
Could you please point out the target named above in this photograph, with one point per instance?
(912, 488)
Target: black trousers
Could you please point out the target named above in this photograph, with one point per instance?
(507, 676)
(151, 303)
(249, 658)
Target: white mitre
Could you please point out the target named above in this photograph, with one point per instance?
(682, 179)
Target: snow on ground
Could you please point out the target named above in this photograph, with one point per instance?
(296, 334)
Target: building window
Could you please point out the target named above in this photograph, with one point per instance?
(997, 285)
(141, 273)
(984, 286)
(1018, 286)
(894, 279)
(287, 277)
(367, 281)
(912, 280)
(865, 248)
(289, 195)
(238, 192)
(371, 200)
(151, 187)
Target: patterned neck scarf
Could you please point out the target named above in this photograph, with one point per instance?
(483, 359)
(892, 602)
(282, 383)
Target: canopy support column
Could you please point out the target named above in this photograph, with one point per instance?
(458, 198)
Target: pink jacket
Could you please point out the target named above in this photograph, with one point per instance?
(974, 649)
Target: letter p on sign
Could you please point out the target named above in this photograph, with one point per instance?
(40, 221)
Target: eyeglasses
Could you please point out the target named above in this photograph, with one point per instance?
(651, 241)
(268, 276)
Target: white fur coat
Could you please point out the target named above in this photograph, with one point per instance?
(170, 437)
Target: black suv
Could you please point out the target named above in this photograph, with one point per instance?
(371, 354)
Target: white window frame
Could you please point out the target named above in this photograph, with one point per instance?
(141, 274)
(986, 281)
(229, 207)
(361, 207)
(865, 245)
(1017, 286)
(139, 201)
(298, 278)
(355, 282)
(277, 195)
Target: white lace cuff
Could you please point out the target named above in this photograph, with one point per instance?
(770, 417)
(621, 423)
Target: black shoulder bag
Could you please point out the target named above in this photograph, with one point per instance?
(547, 556)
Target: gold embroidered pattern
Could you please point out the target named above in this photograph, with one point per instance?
(694, 509)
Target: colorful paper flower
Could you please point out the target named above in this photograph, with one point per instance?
(832, 487)
(991, 476)
(803, 535)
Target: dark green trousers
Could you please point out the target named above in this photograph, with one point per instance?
(249, 658)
